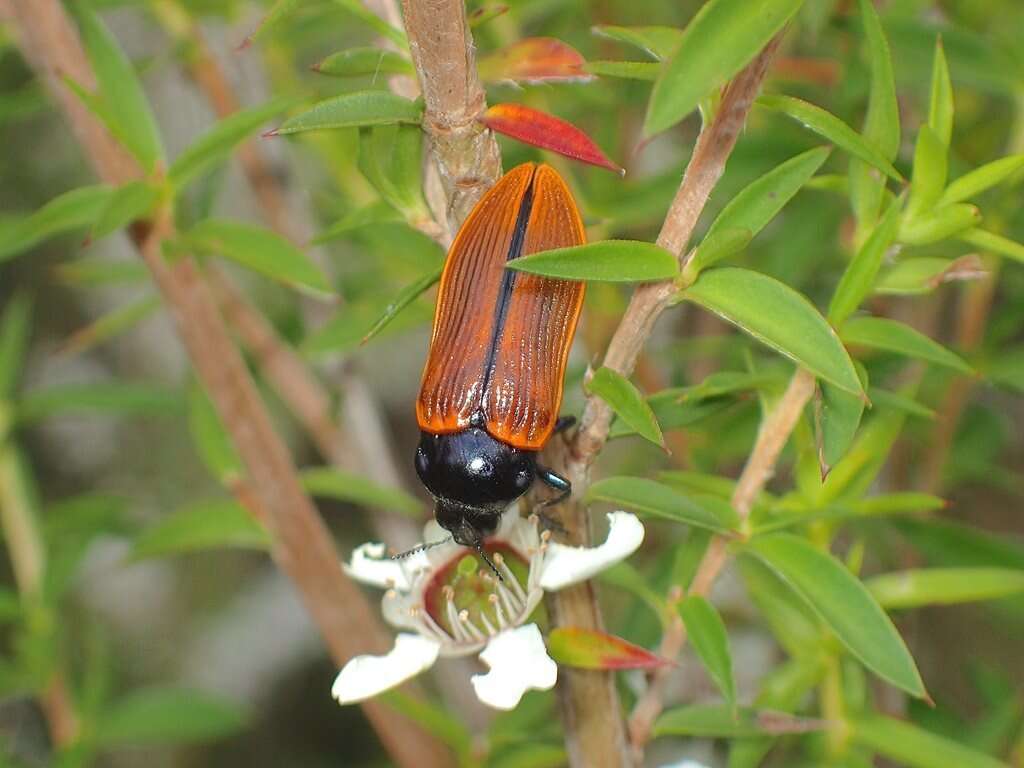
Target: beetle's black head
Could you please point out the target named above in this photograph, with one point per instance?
(469, 526)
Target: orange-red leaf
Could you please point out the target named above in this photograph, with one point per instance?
(588, 649)
(534, 60)
(540, 129)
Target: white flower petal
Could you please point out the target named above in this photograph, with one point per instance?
(569, 565)
(370, 565)
(366, 676)
(518, 661)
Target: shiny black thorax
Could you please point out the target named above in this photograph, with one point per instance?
(474, 477)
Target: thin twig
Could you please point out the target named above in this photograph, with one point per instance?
(771, 438)
(596, 733)
(466, 154)
(301, 544)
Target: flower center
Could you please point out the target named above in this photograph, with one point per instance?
(468, 601)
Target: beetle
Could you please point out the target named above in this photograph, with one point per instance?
(492, 383)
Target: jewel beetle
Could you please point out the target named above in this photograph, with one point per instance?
(492, 383)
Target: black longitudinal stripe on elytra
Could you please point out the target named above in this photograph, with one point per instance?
(508, 280)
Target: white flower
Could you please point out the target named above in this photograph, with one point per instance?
(449, 605)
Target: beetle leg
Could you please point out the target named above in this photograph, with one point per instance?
(556, 481)
(563, 423)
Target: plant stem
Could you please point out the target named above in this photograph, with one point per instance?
(301, 544)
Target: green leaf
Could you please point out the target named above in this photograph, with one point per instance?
(89, 272)
(861, 272)
(202, 526)
(120, 91)
(944, 586)
(789, 618)
(435, 719)
(940, 106)
(650, 498)
(838, 415)
(406, 296)
(975, 182)
(910, 745)
(357, 62)
(673, 413)
(210, 437)
(258, 249)
(356, 489)
(718, 721)
(832, 129)
(929, 177)
(949, 543)
(111, 325)
(716, 246)
(627, 402)
(590, 649)
(659, 42)
(134, 200)
(716, 44)
(627, 70)
(392, 163)
(377, 212)
(72, 210)
(760, 201)
(15, 330)
(894, 336)
(105, 397)
(845, 605)
(352, 323)
(707, 634)
(778, 316)
(377, 24)
(163, 716)
(214, 146)
(941, 223)
(357, 109)
(993, 243)
(617, 261)
(916, 276)
(279, 11)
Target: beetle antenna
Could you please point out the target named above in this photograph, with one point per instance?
(422, 548)
(480, 550)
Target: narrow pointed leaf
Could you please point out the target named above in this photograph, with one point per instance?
(909, 745)
(627, 402)
(120, 91)
(278, 12)
(211, 439)
(89, 272)
(910, 277)
(590, 649)
(539, 129)
(135, 200)
(207, 525)
(940, 106)
(706, 632)
(357, 109)
(659, 42)
(894, 336)
(260, 250)
(616, 261)
(860, 274)
(761, 200)
(68, 212)
(15, 329)
(647, 497)
(534, 60)
(831, 128)
(722, 721)
(356, 489)
(939, 224)
(716, 44)
(838, 417)
(110, 325)
(627, 70)
(407, 296)
(929, 178)
(374, 22)
(724, 242)
(351, 323)
(162, 716)
(217, 144)
(975, 182)
(104, 397)
(993, 243)
(377, 212)
(778, 316)
(360, 62)
(944, 586)
(844, 603)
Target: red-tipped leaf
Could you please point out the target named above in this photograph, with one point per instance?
(534, 60)
(587, 649)
(540, 129)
